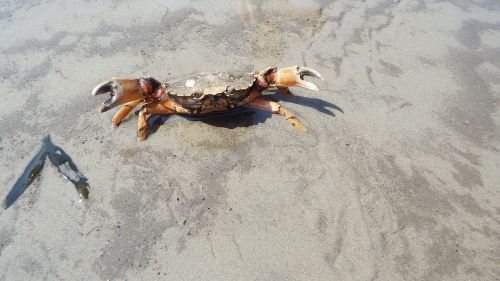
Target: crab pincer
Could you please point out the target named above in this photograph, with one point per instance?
(129, 92)
(294, 77)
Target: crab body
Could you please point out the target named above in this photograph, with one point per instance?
(202, 93)
(208, 92)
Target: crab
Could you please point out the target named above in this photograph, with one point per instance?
(203, 93)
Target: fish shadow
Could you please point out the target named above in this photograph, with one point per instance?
(244, 116)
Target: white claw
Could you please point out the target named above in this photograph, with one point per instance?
(309, 71)
(307, 85)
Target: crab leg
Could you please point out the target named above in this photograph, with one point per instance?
(276, 108)
(146, 111)
(124, 111)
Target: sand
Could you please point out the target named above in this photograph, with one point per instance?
(397, 177)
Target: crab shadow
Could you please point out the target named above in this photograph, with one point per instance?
(239, 117)
(244, 116)
(320, 105)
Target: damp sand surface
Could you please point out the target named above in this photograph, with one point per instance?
(396, 178)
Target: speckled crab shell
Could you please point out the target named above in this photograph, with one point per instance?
(200, 92)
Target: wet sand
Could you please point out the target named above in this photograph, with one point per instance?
(396, 179)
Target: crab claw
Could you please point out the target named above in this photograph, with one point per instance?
(294, 77)
(125, 90)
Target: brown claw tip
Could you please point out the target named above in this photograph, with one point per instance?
(103, 108)
(310, 72)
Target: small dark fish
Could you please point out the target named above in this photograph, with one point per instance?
(60, 159)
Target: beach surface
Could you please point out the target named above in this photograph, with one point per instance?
(397, 177)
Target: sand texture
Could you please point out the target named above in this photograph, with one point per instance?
(397, 178)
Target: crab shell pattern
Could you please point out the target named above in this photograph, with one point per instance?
(202, 93)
